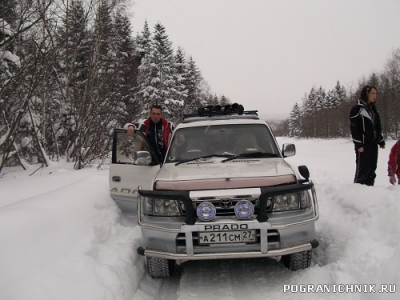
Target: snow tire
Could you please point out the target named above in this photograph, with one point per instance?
(297, 261)
(160, 267)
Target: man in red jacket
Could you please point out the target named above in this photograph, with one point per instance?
(156, 129)
(393, 163)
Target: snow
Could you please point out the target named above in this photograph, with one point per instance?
(62, 237)
(25, 141)
(7, 55)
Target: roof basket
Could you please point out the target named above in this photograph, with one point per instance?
(218, 110)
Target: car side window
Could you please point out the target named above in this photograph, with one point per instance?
(129, 148)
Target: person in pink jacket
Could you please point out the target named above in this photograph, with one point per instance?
(394, 163)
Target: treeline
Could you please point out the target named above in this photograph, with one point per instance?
(71, 71)
(325, 114)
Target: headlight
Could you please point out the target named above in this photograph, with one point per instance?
(291, 201)
(161, 207)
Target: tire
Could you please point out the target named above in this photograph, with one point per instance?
(160, 267)
(297, 261)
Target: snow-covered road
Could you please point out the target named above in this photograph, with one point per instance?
(62, 237)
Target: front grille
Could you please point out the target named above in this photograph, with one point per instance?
(226, 206)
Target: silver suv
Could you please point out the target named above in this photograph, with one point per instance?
(223, 191)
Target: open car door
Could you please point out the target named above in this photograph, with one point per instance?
(134, 164)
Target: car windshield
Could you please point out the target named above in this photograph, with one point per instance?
(232, 140)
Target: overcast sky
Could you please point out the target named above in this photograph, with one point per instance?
(268, 54)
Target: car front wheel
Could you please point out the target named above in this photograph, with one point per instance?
(297, 261)
(160, 267)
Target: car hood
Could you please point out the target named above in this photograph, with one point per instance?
(213, 174)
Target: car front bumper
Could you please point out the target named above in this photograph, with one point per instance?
(273, 240)
(279, 234)
(229, 255)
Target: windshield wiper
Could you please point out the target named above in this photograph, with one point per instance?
(251, 155)
(202, 157)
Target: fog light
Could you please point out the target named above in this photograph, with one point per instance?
(244, 209)
(206, 211)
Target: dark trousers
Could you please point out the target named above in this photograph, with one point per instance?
(366, 163)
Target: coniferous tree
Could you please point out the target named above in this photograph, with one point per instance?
(224, 100)
(126, 65)
(309, 115)
(339, 119)
(330, 120)
(295, 121)
(102, 101)
(390, 100)
(143, 40)
(181, 74)
(193, 86)
(339, 95)
(321, 105)
(384, 95)
(320, 101)
(171, 89)
(73, 40)
(156, 78)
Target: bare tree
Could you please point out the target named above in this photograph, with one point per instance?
(23, 47)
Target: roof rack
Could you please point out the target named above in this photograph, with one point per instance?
(218, 110)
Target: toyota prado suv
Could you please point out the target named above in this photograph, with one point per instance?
(223, 191)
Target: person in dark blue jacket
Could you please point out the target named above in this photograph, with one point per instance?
(366, 131)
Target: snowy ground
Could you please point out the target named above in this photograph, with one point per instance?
(62, 237)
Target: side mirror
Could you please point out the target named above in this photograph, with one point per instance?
(303, 170)
(288, 150)
(142, 158)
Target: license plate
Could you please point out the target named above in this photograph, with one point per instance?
(223, 237)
